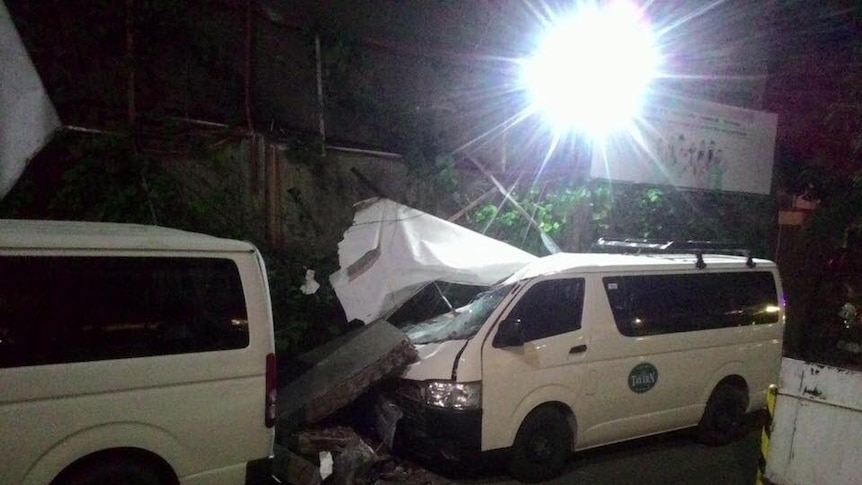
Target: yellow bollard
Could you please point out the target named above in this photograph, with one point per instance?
(771, 397)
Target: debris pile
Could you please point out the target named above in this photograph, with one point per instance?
(339, 456)
(388, 257)
(339, 373)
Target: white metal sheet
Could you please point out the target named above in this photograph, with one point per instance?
(27, 116)
(392, 251)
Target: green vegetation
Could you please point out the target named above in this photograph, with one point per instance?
(577, 214)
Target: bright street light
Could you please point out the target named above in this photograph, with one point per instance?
(592, 69)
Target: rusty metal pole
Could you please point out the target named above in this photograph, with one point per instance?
(273, 200)
(130, 62)
(253, 149)
(320, 105)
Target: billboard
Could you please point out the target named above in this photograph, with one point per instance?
(693, 144)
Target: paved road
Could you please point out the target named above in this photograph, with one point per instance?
(667, 459)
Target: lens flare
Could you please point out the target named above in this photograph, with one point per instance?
(593, 68)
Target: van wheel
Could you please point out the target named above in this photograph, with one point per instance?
(724, 417)
(542, 446)
(126, 473)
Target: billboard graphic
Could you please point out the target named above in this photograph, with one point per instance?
(693, 144)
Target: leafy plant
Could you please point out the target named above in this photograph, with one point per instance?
(575, 215)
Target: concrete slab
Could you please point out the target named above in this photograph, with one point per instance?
(341, 371)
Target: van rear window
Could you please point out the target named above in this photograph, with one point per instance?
(76, 309)
(657, 304)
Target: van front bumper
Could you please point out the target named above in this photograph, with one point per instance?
(431, 432)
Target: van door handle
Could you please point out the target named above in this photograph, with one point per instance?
(578, 349)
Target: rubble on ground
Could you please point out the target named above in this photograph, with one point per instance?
(339, 373)
(355, 460)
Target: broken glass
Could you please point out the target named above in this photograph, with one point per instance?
(462, 323)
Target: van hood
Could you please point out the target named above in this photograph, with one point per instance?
(436, 361)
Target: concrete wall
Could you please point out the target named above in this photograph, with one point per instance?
(817, 426)
(292, 199)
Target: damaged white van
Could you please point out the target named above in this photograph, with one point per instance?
(133, 354)
(576, 351)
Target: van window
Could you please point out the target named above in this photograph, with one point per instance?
(550, 307)
(657, 304)
(75, 309)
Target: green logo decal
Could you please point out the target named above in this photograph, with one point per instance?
(643, 377)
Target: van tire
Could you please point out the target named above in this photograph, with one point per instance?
(542, 446)
(723, 419)
(114, 472)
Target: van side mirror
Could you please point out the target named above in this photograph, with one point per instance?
(510, 334)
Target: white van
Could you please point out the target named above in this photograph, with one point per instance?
(582, 350)
(132, 354)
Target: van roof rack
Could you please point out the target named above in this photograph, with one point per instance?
(657, 246)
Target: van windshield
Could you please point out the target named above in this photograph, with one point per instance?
(461, 323)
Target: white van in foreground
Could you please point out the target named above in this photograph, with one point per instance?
(132, 354)
(582, 350)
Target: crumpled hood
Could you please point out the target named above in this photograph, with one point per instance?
(436, 361)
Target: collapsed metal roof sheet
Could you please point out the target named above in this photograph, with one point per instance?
(392, 251)
(27, 116)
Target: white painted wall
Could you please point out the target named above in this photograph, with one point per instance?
(817, 428)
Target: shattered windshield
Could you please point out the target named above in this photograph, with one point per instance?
(461, 323)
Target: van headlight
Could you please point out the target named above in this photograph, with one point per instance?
(453, 395)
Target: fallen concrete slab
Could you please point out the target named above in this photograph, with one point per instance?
(341, 371)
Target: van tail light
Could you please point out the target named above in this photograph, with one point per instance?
(271, 392)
